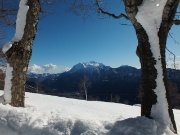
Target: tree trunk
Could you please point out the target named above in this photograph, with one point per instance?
(149, 73)
(148, 62)
(19, 54)
(86, 93)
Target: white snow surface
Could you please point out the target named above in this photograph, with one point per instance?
(150, 17)
(51, 115)
(20, 25)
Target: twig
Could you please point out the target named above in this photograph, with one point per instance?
(176, 22)
(176, 42)
(100, 10)
(174, 59)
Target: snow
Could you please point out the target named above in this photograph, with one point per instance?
(2, 69)
(48, 115)
(51, 115)
(91, 66)
(21, 20)
(150, 17)
(8, 84)
(6, 47)
(20, 25)
(92, 63)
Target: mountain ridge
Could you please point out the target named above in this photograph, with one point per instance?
(106, 83)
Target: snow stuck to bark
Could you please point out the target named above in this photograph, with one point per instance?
(21, 20)
(6, 47)
(150, 17)
(8, 84)
(20, 25)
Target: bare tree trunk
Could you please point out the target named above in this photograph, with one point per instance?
(86, 93)
(19, 54)
(148, 62)
(149, 73)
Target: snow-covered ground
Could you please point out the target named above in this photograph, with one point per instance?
(51, 115)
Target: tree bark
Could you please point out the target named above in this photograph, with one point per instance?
(19, 54)
(168, 15)
(148, 62)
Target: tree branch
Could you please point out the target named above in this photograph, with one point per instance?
(176, 42)
(100, 10)
(174, 58)
(7, 22)
(176, 22)
(8, 12)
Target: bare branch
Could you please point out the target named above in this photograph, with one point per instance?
(125, 24)
(176, 42)
(8, 12)
(176, 22)
(7, 21)
(80, 8)
(174, 58)
(100, 10)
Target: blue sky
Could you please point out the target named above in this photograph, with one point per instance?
(65, 39)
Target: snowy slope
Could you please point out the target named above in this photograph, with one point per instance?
(50, 115)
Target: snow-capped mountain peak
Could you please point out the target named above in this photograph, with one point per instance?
(91, 66)
(93, 63)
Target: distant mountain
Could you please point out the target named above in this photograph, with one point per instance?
(40, 73)
(106, 82)
(89, 67)
(40, 77)
(120, 84)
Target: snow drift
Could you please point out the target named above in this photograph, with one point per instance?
(51, 115)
